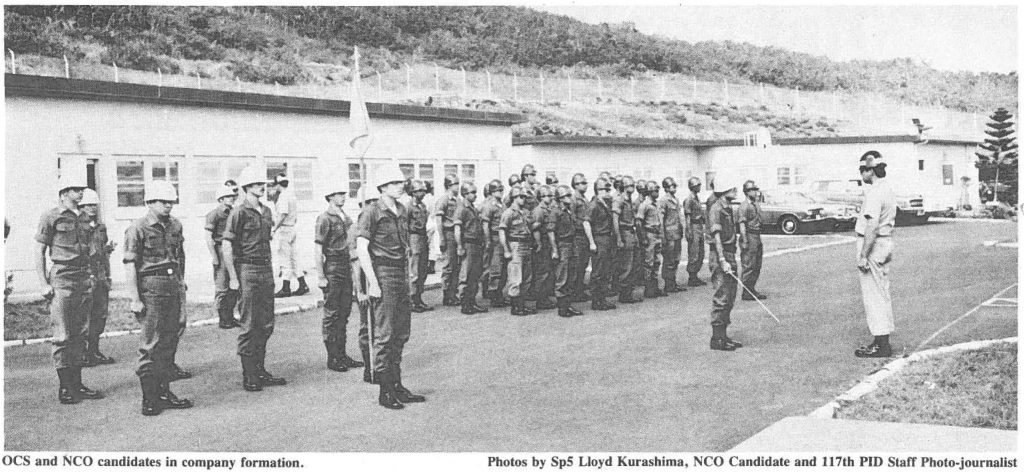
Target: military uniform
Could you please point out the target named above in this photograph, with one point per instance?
(543, 280)
(722, 222)
(494, 255)
(752, 252)
(562, 223)
(650, 217)
(602, 274)
(879, 203)
(625, 212)
(671, 247)
(446, 206)
(419, 246)
(467, 217)
(695, 219)
(516, 224)
(581, 247)
(285, 236)
(333, 230)
(99, 262)
(224, 298)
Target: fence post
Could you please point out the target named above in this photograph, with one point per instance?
(277, 88)
(796, 100)
(117, 79)
(14, 63)
(568, 75)
(632, 89)
(489, 93)
(159, 78)
(542, 87)
(238, 84)
(408, 81)
(515, 87)
(663, 88)
(437, 79)
(67, 68)
(199, 80)
(600, 88)
(694, 100)
(725, 91)
(465, 91)
(380, 88)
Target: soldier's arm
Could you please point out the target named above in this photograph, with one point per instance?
(321, 235)
(504, 241)
(366, 263)
(44, 281)
(590, 235)
(131, 274)
(743, 225)
(460, 247)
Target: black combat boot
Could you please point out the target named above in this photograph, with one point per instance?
(303, 288)
(286, 289)
(673, 287)
(598, 303)
(177, 373)
(250, 382)
(695, 282)
(151, 405)
(401, 393)
(718, 340)
(170, 401)
(81, 391)
(348, 361)
(65, 393)
(729, 341)
(563, 308)
(626, 296)
(498, 300)
(333, 361)
(387, 397)
(266, 378)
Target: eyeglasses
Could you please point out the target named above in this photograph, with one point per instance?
(606, 189)
(673, 186)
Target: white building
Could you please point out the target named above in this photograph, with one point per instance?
(127, 135)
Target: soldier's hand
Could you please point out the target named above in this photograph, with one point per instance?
(137, 307)
(620, 244)
(111, 246)
(362, 297)
(508, 254)
(593, 248)
(321, 282)
(461, 251)
(47, 292)
(727, 267)
(554, 254)
(233, 284)
(862, 264)
(373, 290)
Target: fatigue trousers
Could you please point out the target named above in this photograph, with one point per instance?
(450, 271)
(581, 248)
(389, 317)
(98, 314)
(160, 325)
(472, 264)
(564, 272)
(257, 307)
(287, 257)
(72, 301)
(625, 262)
(652, 262)
(724, 286)
(752, 255)
(670, 252)
(224, 298)
(694, 249)
(337, 304)
(543, 281)
(419, 246)
(603, 273)
(520, 270)
(497, 268)
(874, 287)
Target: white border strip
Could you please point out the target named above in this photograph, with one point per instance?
(965, 315)
(871, 382)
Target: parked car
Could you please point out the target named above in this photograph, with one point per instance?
(795, 212)
(910, 208)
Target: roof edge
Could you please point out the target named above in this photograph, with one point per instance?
(659, 142)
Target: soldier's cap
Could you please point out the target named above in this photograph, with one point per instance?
(872, 159)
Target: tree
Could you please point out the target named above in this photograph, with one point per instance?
(1000, 160)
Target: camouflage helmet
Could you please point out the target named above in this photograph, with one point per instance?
(668, 182)
(467, 187)
(551, 180)
(652, 188)
(627, 181)
(528, 169)
(641, 187)
(578, 178)
(693, 183)
(600, 183)
(449, 180)
(514, 179)
(494, 186)
(516, 191)
(563, 191)
(417, 186)
(749, 185)
(545, 191)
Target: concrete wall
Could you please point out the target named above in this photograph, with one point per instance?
(208, 145)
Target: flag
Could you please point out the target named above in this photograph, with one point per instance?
(359, 118)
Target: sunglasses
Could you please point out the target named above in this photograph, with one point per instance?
(473, 192)
(529, 175)
(606, 189)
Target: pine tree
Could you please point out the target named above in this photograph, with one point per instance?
(999, 163)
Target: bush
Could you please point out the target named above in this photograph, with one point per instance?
(140, 55)
(276, 65)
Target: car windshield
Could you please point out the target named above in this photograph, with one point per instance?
(794, 198)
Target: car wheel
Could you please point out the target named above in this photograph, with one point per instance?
(789, 224)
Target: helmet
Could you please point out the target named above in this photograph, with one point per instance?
(226, 191)
(161, 190)
(605, 175)
(545, 191)
(516, 191)
(579, 179)
(563, 191)
(668, 182)
(514, 179)
(280, 178)
(252, 174)
(90, 197)
(467, 187)
(627, 181)
(724, 182)
(449, 180)
(872, 159)
(641, 187)
(749, 185)
(71, 177)
(528, 169)
(551, 180)
(494, 186)
(367, 194)
(417, 186)
(600, 183)
(652, 188)
(389, 174)
(693, 183)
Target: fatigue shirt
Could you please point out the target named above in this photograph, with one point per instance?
(880, 204)
(249, 228)
(516, 224)
(650, 216)
(600, 217)
(693, 210)
(468, 217)
(580, 206)
(562, 222)
(721, 220)
(491, 213)
(215, 220)
(151, 244)
(333, 231)
(541, 215)
(99, 256)
(625, 211)
(750, 215)
(287, 207)
(68, 235)
(388, 237)
(417, 219)
(446, 206)
(668, 206)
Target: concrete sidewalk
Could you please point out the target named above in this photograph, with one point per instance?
(804, 434)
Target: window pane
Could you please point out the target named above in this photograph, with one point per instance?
(129, 171)
(427, 171)
(709, 180)
(174, 171)
(468, 171)
(302, 179)
(208, 179)
(947, 175)
(451, 169)
(408, 170)
(159, 171)
(783, 175)
(354, 178)
(129, 183)
(798, 176)
(276, 167)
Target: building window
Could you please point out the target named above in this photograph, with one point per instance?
(131, 184)
(920, 164)
(166, 171)
(947, 174)
(427, 172)
(783, 176)
(798, 176)
(355, 177)
(451, 169)
(299, 173)
(212, 171)
(408, 170)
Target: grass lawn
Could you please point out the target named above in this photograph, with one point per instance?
(32, 320)
(972, 389)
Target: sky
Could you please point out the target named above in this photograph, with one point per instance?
(947, 37)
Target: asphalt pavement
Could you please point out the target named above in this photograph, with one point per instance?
(640, 378)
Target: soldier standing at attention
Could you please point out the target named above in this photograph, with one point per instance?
(874, 254)
(649, 217)
(543, 281)
(581, 244)
(672, 246)
(494, 261)
(517, 241)
(722, 226)
(247, 257)
(334, 257)
(752, 252)
(599, 227)
(224, 298)
(562, 225)
(65, 233)
(284, 232)
(366, 196)
(154, 259)
(695, 217)
(444, 213)
(99, 264)
(419, 244)
(383, 244)
(625, 240)
(469, 236)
